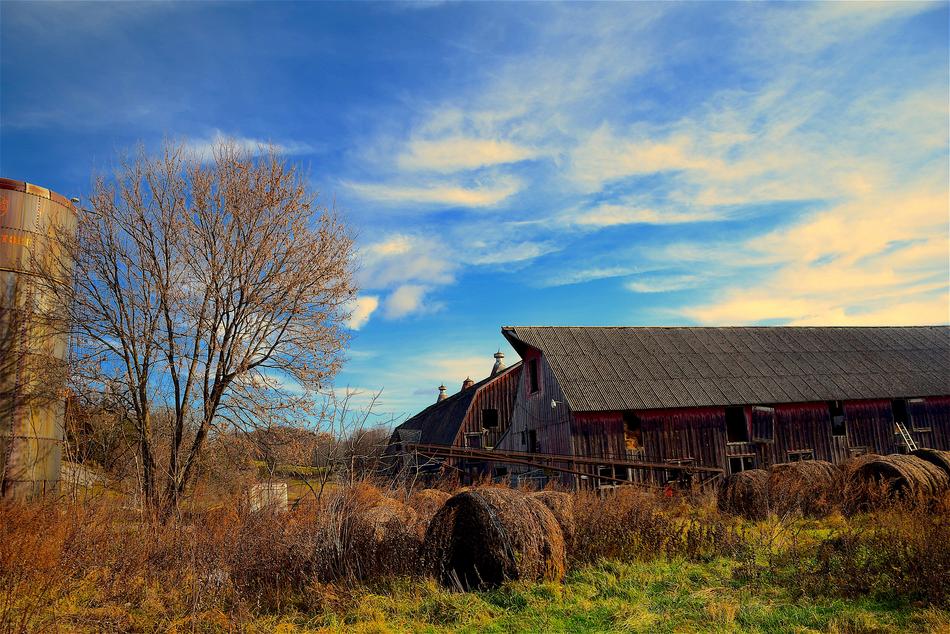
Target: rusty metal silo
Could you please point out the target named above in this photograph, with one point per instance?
(32, 347)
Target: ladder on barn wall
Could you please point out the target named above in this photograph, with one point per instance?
(905, 436)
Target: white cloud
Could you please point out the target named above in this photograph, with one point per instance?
(405, 300)
(408, 267)
(363, 307)
(401, 258)
(454, 369)
(455, 153)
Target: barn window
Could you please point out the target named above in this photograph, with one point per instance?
(741, 463)
(763, 424)
(632, 432)
(836, 410)
(899, 409)
(473, 440)
(533, 383)
(489, 418)
(799, 456)
(532, 441)
(737, 429)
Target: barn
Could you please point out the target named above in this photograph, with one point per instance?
(475, 417)
(723, 399)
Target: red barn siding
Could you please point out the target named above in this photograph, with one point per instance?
(803, 427)
(932, 414)
(599, 434)
(870, 424)
(685, 434)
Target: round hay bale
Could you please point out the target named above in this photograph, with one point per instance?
(484, 537)
(809, 487)
(849, 466)
(745, 494)
(427, 502)
(561, 506)
(895, 475)
(383, 539)
(935, 457)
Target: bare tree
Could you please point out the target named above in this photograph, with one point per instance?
(216, 290)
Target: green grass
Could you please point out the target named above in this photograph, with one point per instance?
(660, 596)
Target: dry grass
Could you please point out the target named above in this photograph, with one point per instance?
(94, 565)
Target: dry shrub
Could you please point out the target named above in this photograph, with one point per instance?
(361, 534)
(634, 524)
(273, 554)
(745, 494)
(561, 506)
(809, 487)
(54, 550)
(485, 536)
(883, 479)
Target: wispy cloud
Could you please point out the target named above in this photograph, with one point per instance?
(614, 214)
(663, 282)
(451, 194)
(203, 148)
(457, 153)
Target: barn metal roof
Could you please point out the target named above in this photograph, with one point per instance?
(623, 368)
(439, 423)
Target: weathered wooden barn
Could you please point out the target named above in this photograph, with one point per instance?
(727, 398)
(476, 417)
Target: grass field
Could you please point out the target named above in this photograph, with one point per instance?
(660, 596)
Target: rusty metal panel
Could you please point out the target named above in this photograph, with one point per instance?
(31, 349)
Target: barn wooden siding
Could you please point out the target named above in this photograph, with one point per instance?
(698, 435)
(498, 394)
(930, 422)
(533, 411)
(870, 426)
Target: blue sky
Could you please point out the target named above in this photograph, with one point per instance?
(534, 164)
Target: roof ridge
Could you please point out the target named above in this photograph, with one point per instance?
(779, 327)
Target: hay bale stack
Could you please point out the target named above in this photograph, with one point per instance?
(383, 539)
(935, 457)
(426, 503)
(853, 464)
(894, 475)
(809, 487)
(483, 537)
(745, 494)
(561, 506)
